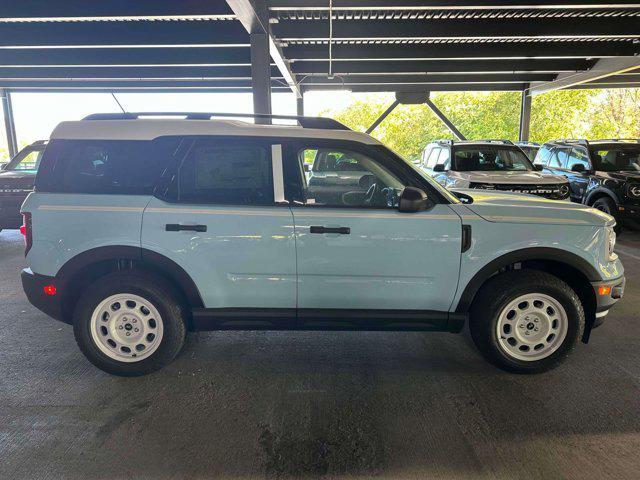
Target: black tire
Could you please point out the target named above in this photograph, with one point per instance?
(152, 288)
(497, 293)
(608, 206)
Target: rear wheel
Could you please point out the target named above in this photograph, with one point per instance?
(129, 324)
(608, 206)
(526, 321)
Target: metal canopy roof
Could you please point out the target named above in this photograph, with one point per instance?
(361, 45)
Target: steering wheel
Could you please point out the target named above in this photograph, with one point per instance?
(371, 193)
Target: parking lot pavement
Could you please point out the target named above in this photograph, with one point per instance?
(273, 404)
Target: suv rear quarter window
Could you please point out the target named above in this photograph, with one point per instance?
(104, 166)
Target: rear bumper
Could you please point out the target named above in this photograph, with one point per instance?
(33, 285)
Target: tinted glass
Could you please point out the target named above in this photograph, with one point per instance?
(104, 166)
(616, 158)
(335, 161)
(433, 157)
(367, 183)
(490, 158)
(28, 160)
(530, 152)
(578, 156)
(222, 173)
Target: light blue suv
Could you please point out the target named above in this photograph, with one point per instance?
(141, 229)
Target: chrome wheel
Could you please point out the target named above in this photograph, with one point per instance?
(532, 327)
(126, 327)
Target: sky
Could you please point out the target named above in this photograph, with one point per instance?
(37, 114)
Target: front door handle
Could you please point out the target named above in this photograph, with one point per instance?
(340, 230)
(176, 227)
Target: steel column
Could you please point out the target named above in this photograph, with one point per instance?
(9, 124)
(525, 116)
(300, 105)
(261, 73)
(452, 128)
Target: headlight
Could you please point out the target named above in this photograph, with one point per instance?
(633, 190)
(610, 243)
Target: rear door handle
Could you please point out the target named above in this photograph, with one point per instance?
(340, 230)
(176, 227)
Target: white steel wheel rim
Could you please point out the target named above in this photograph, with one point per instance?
(126, 327)
(531, 327)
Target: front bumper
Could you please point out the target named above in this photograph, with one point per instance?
(33, 285)
(608, 293)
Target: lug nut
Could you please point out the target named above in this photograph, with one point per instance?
(129, 333)
(136, 330)
(134, 320)
(120, 327)
(536, 329)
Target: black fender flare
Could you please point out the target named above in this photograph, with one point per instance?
(141, 256)
(522, 255)
(601, 190)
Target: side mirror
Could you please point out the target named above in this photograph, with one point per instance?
(439, 167)
(578, 167)
(538, 167)
(413, 200)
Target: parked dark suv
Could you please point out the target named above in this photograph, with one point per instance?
(16, 181)
(604, 174)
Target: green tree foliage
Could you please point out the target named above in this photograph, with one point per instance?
(560, 114)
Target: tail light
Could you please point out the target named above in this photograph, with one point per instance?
(27, 230)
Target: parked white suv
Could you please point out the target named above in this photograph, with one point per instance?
(489, 165)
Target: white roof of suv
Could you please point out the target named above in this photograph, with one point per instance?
(148, 129)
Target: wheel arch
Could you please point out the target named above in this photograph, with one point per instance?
(569, 267)
(88, 266)
(600, 192)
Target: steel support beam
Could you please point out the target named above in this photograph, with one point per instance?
(525, 117)
(443, 118)
(254, 16)
(605, 67)
(9, 124)
(384, 115)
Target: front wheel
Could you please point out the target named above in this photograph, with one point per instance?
(526, 321)
(129, 324)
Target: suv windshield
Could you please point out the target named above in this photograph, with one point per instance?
(27, 160)
(616, 158)
(490, 158)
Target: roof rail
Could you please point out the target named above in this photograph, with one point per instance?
(524, 143)
(305, 122)
(637, 140)
(494, 140)
(444, 140)
(579, 141)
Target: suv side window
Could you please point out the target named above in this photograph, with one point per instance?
(104, 166)
(444, 158)
(542, 157)
(433, 157)
(559, 158)
(226, 172)
(578, 156)
(367, 183)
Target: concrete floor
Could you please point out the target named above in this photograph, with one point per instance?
(355, 405)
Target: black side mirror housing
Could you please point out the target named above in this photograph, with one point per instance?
(538, 167)
(438, 168)
(413, 200)
(578, 167)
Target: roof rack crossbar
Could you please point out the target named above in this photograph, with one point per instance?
(305, 122)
